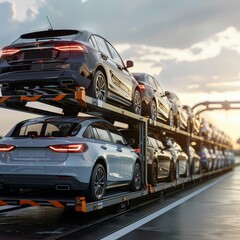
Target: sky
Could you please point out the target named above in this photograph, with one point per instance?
(192, 47)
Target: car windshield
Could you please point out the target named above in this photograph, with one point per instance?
(48, 35)
(47, 129)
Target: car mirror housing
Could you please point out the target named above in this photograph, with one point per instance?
(129, 64)
(130, 141)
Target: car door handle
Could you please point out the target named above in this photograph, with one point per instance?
(104, 147)
(104, 56)
(119, 150)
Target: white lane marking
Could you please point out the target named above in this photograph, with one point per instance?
(133, 226)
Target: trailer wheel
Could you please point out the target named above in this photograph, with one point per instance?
(137, 177)
(98, 183)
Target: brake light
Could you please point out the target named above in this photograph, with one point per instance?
(69, 148)
(6, 148)
(71, 48)
(137, 150)
(142, 87)
(9, 51)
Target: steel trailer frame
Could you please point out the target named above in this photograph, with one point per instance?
(80, 101)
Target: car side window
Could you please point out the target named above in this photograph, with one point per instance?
(37, 127)
(153, 142)
(160, 144)
(114, 55)
(116, 136)
(152, 83)
(92, 41)
(100, 131)
(102, 45)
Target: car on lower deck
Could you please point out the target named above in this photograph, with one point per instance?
(180, 167)
(86, 155)
(158, 158)
(58, 61)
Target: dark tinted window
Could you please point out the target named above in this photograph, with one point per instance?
(100, 131)
(102, 45)
(114, 55)
(47, 129)
(117, 137)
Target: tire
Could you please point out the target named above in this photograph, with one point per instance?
(189, 126)
(98, 181)
(177, 121)
(137, 177)
(177, 175)
(137, 103)
(99, 88)
(153, 174)
(200, 169)
(188, 170)
(171, 119)
(153, 111)
(172, 173)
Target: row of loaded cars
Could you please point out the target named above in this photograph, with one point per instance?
(89, 154)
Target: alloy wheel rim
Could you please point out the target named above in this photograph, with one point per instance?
(137, 103)
(99, 182)
(153, 111)
(101, 88)
(137, 178)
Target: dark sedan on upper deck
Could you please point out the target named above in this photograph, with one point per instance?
(154, 102)
(61, 60)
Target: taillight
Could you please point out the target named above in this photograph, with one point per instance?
(137, 150)
(142, 87)
(6, 148)
(9, 52)
(71, 48)
(69, 148)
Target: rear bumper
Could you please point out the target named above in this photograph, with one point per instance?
(25, 181)
(43, 78)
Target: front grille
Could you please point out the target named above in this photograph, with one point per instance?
(39, 54)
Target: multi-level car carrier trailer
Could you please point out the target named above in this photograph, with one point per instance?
(79, 102)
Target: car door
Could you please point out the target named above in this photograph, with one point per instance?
(125, 154)
(120, 75)
(163, 100)
(119, 84)
(108, 151)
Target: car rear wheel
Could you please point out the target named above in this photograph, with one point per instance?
(177, 121)
(98, 183)
(137, 102)
(99, 87)
(153, 178)
(172, 174)
(137, 177)
(153, 111)
(188, 170)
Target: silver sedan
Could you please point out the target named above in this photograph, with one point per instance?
(66, 153)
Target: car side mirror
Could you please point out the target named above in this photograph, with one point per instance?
(129, 64)
(130, 141)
